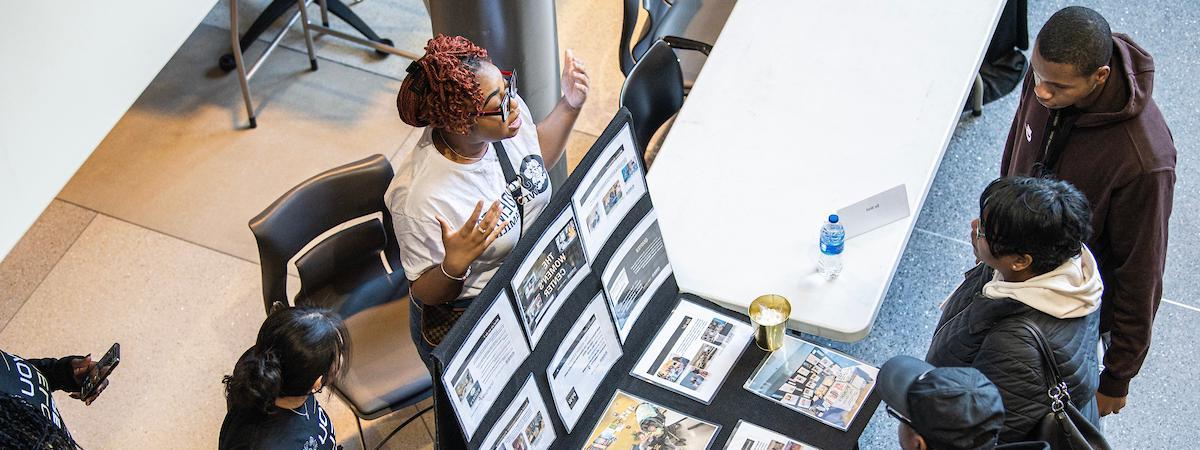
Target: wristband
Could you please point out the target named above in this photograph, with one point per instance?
(452, 277)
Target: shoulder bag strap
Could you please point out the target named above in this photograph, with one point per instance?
(513, 183)
(1053, 378)
(1076, 431)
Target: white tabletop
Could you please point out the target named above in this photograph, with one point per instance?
(805, 107)
(71, 71)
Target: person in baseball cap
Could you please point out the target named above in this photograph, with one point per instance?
(943, 407)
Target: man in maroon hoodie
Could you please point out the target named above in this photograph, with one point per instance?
(1086, 116)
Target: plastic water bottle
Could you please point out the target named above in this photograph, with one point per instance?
(833, 239)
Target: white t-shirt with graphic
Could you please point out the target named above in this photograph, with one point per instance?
(428, 184)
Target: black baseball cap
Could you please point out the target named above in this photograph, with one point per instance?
(951, 407)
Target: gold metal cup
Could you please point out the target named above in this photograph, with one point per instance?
(769, 314)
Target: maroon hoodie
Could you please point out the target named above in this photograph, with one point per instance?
(1122, 157)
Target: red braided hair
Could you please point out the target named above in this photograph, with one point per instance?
(440, 89)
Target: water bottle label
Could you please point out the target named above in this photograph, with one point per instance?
(832, 248)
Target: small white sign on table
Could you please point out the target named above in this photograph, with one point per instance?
(874, 212)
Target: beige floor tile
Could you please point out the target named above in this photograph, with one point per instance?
(182, 314)
(178, 161)
(592, 29)
(37, 252)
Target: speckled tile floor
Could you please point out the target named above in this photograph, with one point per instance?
(86, 258)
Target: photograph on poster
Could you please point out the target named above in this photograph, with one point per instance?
(694, 351)
(525, 425)
(748, 436)
(818, 382)
(486, 361)
(609, 189)
(548, 274)
(630, 423)
(636, 270)
(583, 359)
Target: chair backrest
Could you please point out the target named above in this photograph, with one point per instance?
(653, 92)
(316, 206)
(632, 49)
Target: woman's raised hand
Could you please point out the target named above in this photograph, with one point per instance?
(465, 244)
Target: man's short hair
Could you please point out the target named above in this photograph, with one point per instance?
(1077, 36)
(1046, 219)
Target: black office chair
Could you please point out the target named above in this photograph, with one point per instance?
(346, 272)
(697, 20)
(653, 90)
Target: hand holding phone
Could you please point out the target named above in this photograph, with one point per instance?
(93, 376)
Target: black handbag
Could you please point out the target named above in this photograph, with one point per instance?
(437, 320)
(1064, 427)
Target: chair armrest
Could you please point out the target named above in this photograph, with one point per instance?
(687, 44)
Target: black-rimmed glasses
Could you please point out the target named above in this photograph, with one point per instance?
(510, 90)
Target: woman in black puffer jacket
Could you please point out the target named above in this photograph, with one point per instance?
(1033, 264)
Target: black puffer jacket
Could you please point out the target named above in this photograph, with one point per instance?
(972, 332)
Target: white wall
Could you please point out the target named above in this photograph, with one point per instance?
(68, 71)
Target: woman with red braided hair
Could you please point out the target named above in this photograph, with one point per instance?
(480, 146)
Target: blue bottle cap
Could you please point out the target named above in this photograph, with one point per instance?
(833, 218)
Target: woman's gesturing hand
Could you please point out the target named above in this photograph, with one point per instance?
(465, 244)
(575, 82)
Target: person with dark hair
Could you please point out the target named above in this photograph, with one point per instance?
(944, 408)
(1087, 116)
(30, 416)
(479, 146)
(1029, 238)
(269, 397)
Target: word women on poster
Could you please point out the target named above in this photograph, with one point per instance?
(609, 189)
(694, 351)
(637, 269)
(582, 360)
(487, 360)
(525, 425)
(548, 274)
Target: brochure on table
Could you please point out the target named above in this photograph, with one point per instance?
(633, 423)
(582, 361)
(608, 190)
(547, 276)
(588, 311)
(525, 424)
(748, 436)
(816, 381)
(693, 353)
(479, 372)
(635, 272)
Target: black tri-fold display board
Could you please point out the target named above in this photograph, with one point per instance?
(543, 357)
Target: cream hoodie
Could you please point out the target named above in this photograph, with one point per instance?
(1071, 290)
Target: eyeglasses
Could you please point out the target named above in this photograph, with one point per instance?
(510, 90)
(898, 416)
(979, 231)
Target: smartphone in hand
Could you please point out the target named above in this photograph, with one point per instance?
(101, 371)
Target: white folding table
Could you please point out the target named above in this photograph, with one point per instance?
(804, 107)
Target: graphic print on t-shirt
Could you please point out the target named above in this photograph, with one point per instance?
(508, 211)
(533, 175)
